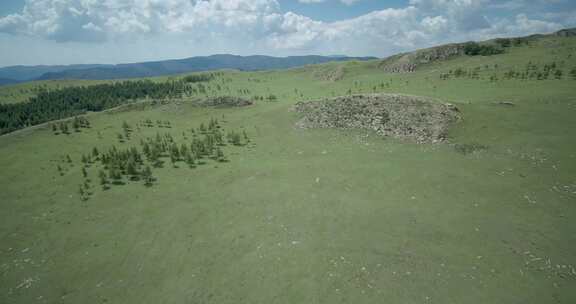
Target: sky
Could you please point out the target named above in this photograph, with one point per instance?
(34, 32)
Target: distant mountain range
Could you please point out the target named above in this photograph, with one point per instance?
(15, 74)
(5, 81)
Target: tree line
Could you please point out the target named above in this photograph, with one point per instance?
(71, 101)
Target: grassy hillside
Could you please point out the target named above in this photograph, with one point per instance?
(311, 216)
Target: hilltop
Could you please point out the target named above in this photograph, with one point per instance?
(409, 62)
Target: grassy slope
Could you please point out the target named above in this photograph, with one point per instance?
(315, 216)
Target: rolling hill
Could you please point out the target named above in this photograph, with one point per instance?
(167, 67)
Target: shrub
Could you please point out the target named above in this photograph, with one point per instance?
(466, 149)
(475, 49)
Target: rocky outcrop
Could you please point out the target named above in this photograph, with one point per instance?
(400, 116)
(408, 62)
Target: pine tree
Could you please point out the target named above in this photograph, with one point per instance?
(68, 159)
(82, 193)
(65, 128)
(76, 124)
(183, 150)
(155, 157)
(95, 153)
(558, 74)
(103, 179)
(190, 160)
(85, 160)
(173, 160)
(146, 150)
(116, 175)
(246, 139)
(132, 170)
(84, 172)
(87, 187)
(127, 130)
(175, 152)
(220, 155)
(147, 176)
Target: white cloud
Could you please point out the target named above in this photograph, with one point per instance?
(260, 26)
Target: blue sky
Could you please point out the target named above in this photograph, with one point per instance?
(115, 31)
(10, 6)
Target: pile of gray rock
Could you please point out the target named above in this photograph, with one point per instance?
(401, 116)
(222, 102)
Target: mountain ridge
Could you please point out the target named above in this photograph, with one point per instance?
(163, 67)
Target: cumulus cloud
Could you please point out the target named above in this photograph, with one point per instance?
(260, 26)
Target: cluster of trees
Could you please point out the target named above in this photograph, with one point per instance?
(132, 164)
(148, 123)
(121, 164)
(509, 42)
(66, 161)
(473, 73)
(78, 123)
(117, 165)
(269, 97)
(532, 71)
(200, 77)
(476, 49)
(71, 101)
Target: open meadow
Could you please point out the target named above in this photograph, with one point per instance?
(292, 215)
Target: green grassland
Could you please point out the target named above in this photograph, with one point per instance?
(311, 216)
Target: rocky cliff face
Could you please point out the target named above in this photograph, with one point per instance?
(566, 33)
(408, 62)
